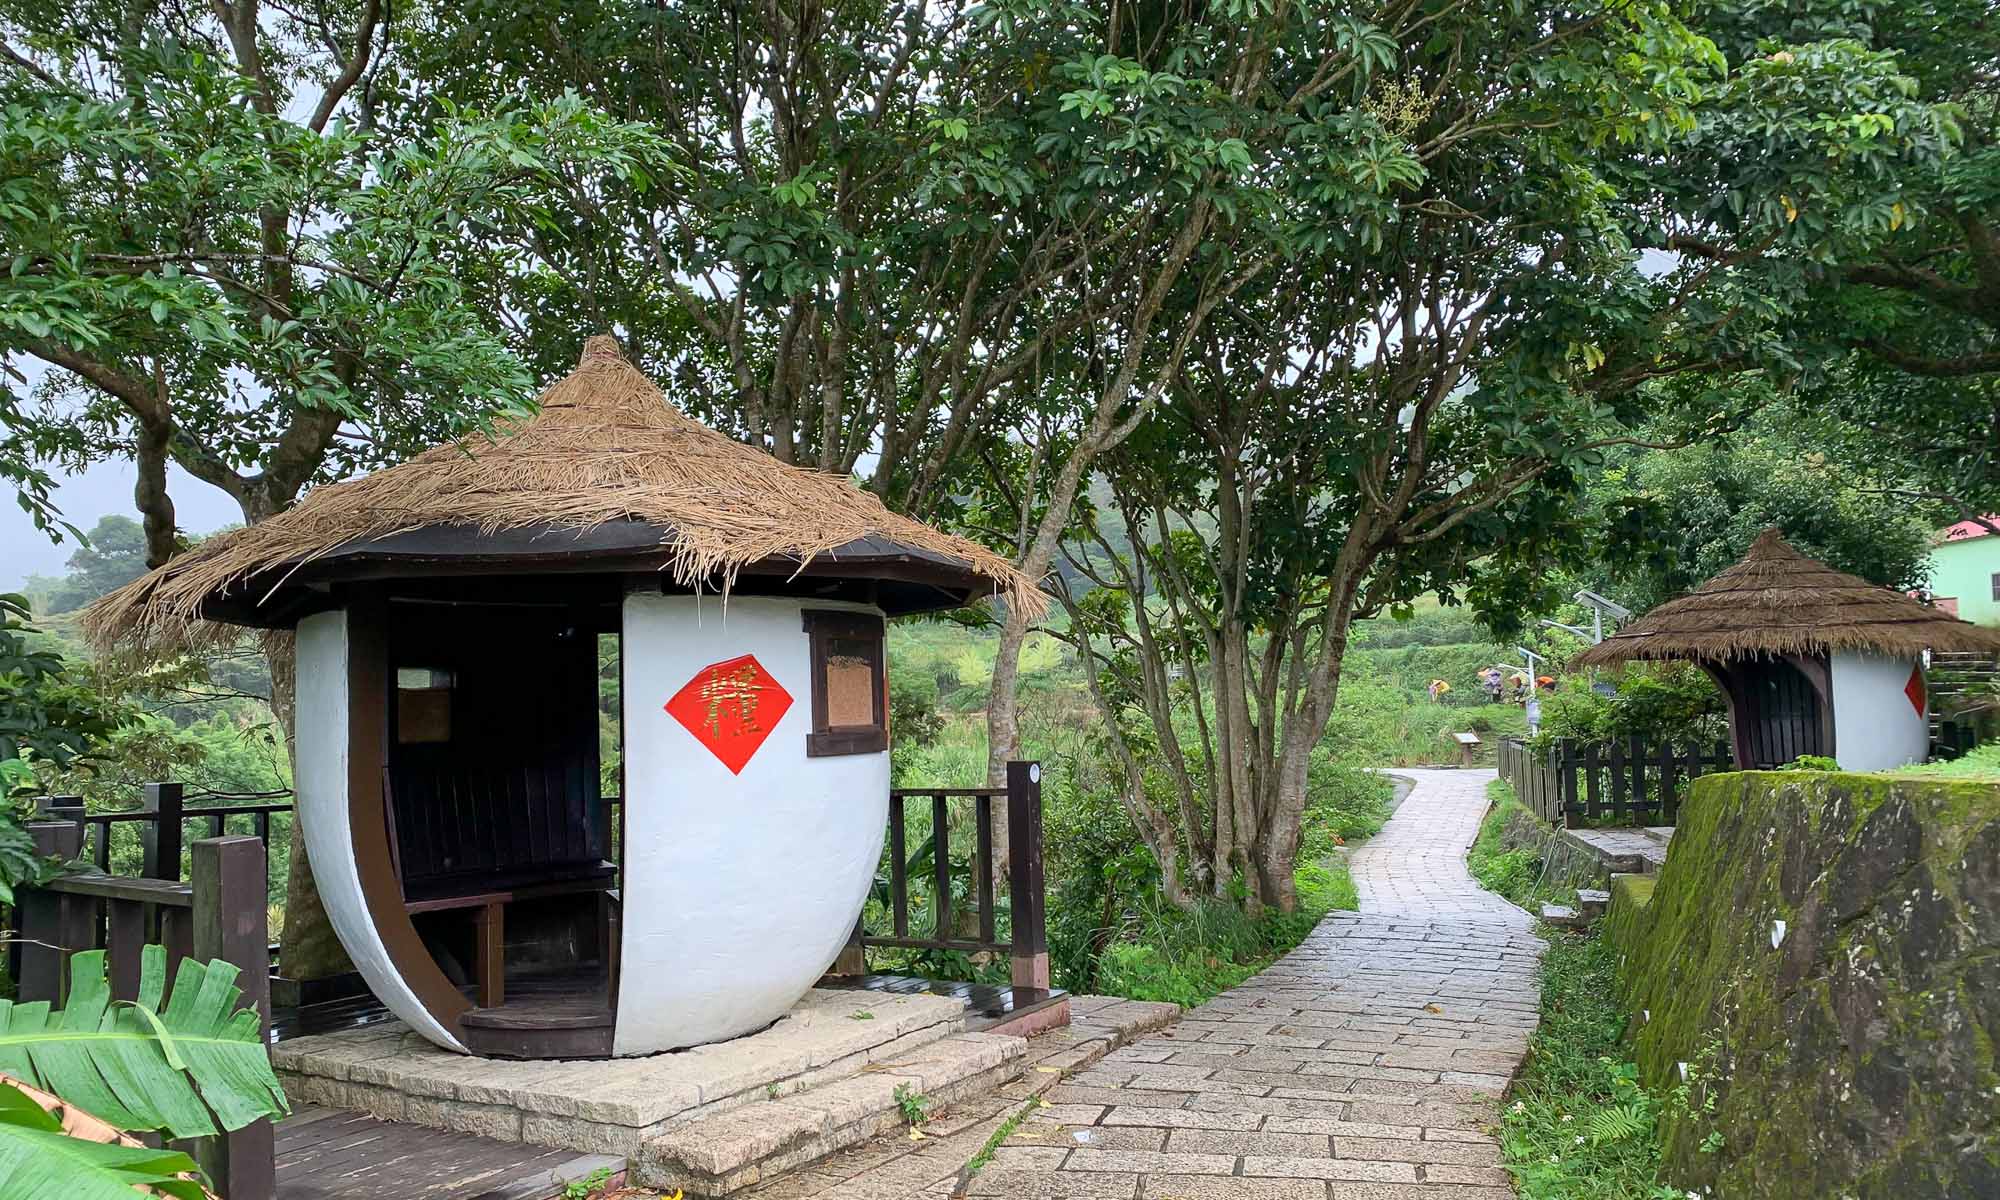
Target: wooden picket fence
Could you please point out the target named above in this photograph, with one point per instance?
(1621, 781)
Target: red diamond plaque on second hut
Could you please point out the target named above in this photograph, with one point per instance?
(730, 708)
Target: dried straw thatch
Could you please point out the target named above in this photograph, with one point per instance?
(604, 447)
(1778, 601)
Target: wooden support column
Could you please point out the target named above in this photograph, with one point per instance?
(853, 957)
(489, 953)
(1025, 884)
(160, 838)
(49, 924)
(229, 924)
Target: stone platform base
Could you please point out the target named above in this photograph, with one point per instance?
(840, 1068)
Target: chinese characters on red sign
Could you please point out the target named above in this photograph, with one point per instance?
(730, 708)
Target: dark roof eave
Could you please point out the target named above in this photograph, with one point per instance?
(279, 596)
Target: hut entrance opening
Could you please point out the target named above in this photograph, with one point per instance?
(495, 800)
(1780, 713)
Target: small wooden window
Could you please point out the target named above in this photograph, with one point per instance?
(850, 704)
(423, 705)
(1996, 586)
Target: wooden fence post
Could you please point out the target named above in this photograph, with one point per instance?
(52, 925)
(1566, 749)
(1024, 876)
(160, 838)
(230, 924)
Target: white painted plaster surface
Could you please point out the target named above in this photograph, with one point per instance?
(1875, 726)
(320, 777)
(739, 890)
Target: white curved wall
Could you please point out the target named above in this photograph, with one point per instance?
(319, 771)
(1875, 726)
(739, 889)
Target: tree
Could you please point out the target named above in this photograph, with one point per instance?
(46, 715)
(1848, 172)
(1411, 400)
(233, 272)
(1703, 505)
(907, 210)
(860, 264)
(113, 554)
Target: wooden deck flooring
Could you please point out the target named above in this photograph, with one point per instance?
(328, 1154)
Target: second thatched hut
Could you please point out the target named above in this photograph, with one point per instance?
(1813, 661)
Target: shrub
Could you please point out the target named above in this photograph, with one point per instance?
(1675, 703)
(1344, 803)
(1516, 872)
(913, 707)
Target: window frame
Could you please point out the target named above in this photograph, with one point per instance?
(823, 627)
(1996, 585)
(449, 690)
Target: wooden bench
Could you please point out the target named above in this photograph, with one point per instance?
(478, 839)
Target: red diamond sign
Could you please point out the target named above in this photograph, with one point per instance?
(1914, 689)
(731, 707)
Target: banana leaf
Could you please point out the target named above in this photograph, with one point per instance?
(42, 1160)
(187, 1066)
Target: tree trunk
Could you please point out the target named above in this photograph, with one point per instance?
(308, 947)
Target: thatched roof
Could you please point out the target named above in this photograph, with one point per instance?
(606, 461)
(1778, 601)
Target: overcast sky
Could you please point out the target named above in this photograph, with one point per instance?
(105, 488)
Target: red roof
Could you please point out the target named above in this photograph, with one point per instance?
(1966, 530)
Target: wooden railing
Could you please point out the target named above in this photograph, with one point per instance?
(1623, 781)
(218, 913)
(159, 826)
(1026, 943)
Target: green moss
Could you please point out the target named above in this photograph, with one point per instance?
(1847, 1051)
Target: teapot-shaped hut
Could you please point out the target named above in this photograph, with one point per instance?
(459, 619)
(1812, 661)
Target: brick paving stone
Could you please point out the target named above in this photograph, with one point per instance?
(1330, 1168)
(1229, 1187)
(1181, 1118)
(1103, 1137)
(1143, 1161)
(1016, 1184)
(1364, 1065)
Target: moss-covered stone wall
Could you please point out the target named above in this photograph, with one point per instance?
(1850, 1051)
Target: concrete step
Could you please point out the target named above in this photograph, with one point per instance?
(1561, 915)
(1660, 833)
(725, 1153)
(615, 1106)
(1592, 902)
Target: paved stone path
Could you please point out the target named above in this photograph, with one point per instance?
(1365, 1065)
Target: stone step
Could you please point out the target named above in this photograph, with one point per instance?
(1660, 833)
(614, 1106)
(733, 1150)
(1592, 902)
(1560, 915)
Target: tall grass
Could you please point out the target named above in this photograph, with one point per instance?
(1578, 1124)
